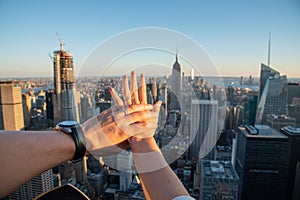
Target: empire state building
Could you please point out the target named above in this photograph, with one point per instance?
(176, 79)
(176, 86)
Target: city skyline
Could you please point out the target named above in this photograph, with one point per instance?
(233, 33)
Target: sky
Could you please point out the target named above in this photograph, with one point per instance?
(233, 33)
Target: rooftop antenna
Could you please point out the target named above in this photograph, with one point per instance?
(61, 42)
(269, 49)
(176, 54)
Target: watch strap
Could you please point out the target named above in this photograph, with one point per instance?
(80, 144)
(74, 129)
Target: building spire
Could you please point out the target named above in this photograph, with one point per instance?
(269, 49)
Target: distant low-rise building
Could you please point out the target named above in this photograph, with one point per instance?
(279, 121)
(218, 180)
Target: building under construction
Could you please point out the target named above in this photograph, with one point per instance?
(66, 106)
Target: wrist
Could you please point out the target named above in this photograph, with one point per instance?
(68, 144)
(143, 145)
(73, 129)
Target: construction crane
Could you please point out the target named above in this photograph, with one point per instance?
(61, 42)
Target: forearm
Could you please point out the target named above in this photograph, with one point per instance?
(26, 154)
(169, 185)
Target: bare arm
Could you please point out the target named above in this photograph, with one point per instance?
(161, 182)
(158, 180)
(27, 154)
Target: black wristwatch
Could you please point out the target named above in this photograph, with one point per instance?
(74, 129)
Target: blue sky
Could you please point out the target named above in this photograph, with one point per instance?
(234, 33)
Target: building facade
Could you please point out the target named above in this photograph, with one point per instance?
(66, 107)
(279, 121)
(218, 180)
(273, 99)
(11, 107)
(294, 162)
(176, 86)
(34, 187)
(265, 73)
(203, 128)
(262, 163)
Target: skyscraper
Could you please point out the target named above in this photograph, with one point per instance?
(203, 128)
(250, 110)
(294, 101)
(176, 87)
(294, 163)
(11, 108)
(265, 73)
(64, 84)
(273, 94)
(66, 106)
(177, 78)
(293, 91)
(26, 109)
(33, 188)
(262, 163)
(230, 94)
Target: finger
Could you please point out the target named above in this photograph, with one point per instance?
(132, 109)
(134, 118)
(126, 92)
(139, 107)
(156, 107)
(134, 89)
(142, 90)
(118, 101)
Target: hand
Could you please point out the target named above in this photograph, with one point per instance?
(138, 96)
(108, 132)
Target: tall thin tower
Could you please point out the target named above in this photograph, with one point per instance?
(64, 83)
(175, 95)
(176, 78)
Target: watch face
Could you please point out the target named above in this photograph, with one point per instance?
(68, 123)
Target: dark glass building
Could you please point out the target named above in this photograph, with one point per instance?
(265, 73)
(262, 163)
(250, 111)
(294, 163)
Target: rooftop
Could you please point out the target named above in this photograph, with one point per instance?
(262, 131)
(280, 117)
(218, 170)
